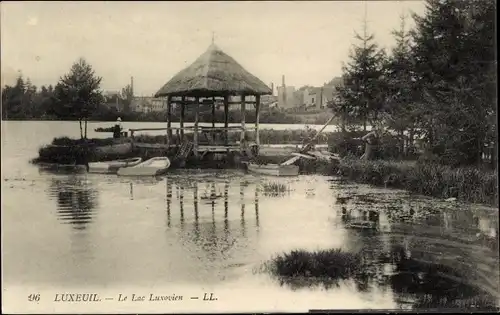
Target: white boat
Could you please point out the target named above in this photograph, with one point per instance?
(113, 166)
(152, 167)
(274, 169)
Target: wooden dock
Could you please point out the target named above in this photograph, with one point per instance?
(264, 149)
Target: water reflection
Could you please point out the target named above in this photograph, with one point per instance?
(76, 200)
(418, 252)
(430, 255)
(216, 237)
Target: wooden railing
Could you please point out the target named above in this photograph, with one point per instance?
(179, 131)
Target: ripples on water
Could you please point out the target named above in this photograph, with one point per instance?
(214, 227)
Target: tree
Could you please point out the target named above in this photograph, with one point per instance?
(127, 96)
(77, 93)
(454, 61)
(401, 100)
(361, 96)
(13, 99)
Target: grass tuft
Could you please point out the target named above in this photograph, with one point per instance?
(330, 263)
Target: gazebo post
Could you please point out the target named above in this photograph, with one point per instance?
(169, 119)
(196, 117)
(181, 119)
(243, 111)
(226, 119)
(257, 114)
(213, 112)
(213, 118)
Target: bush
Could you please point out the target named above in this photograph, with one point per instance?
(66, 141)
(69, 154)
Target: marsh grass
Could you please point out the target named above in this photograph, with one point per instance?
(467, 184)
(332, 264)
(274, 189)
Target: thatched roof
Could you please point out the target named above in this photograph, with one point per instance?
(214, 73)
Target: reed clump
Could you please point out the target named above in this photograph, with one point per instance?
(274, 188)
(334, 264)
(431, 179)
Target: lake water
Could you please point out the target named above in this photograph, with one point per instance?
(209, 231)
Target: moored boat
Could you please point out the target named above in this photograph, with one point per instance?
(113, 166)
(274, 169)
(153, 167)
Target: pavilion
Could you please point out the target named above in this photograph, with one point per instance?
(213, 78)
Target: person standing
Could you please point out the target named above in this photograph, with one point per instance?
(372, 141)
(117, 129)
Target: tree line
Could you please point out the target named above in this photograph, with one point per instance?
(76, 95)
(437, 83)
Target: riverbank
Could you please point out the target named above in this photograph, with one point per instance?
(467, 184)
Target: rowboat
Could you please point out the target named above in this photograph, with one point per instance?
(113, 166)
(361, 225)
(153, 167)
(274, 169)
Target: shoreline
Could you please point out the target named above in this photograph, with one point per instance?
(427, 178)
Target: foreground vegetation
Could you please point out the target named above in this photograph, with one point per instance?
(431, 285)
(470, 184)
(334, 264)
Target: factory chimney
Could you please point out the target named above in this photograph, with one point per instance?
(132, 86)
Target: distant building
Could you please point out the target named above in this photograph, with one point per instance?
(319, 97)
(113, 99)
(286, 97)
(147, 104)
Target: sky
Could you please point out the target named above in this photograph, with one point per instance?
(306, 41)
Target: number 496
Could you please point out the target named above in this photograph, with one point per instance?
(34, 297)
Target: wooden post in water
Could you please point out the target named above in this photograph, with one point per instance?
(181, 119)
(257, 114)
(242, 199)
(195, 200)
(169, 200)
(169, 119)
(181, 203)
(196, 118)
(226, 119)
(226, 199)
(257, 206)
(243, 112)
